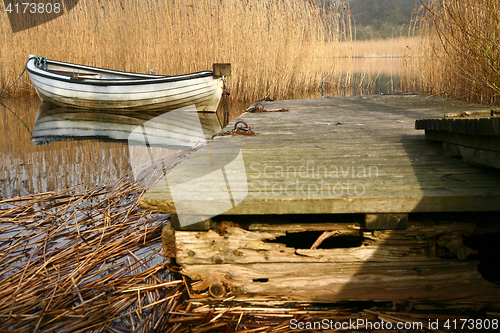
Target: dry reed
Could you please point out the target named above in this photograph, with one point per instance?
(76, 260)
(276, 47)
(459, 50)
(377, 48)
(362, 64)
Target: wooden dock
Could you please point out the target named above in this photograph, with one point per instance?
(474, 136)
(321, 203)
(350, 155)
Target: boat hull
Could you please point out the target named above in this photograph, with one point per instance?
(95, 88)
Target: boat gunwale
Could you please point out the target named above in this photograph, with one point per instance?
(110, 82)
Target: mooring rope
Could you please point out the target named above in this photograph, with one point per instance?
(14, 82)
(225, 106)
(22, 122)
(39, 62)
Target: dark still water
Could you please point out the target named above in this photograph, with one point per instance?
(46, 148)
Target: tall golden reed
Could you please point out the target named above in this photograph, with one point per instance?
(459, 52)
(276, 47)
(396, 47)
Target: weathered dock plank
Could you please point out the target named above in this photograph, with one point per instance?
(263, 263)
(342, 155)
(475, 136)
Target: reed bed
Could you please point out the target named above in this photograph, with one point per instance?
(76, 260)
(378, 48)
(360, 65)
(459, 52)
(275, 47)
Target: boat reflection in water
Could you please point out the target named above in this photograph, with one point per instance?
(150, 135)
(207, 185)
(178, 129)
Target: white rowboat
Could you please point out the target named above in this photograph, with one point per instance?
(80, 86)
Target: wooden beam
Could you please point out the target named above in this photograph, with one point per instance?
(386, 221)
(257, 265)
(474, 155)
